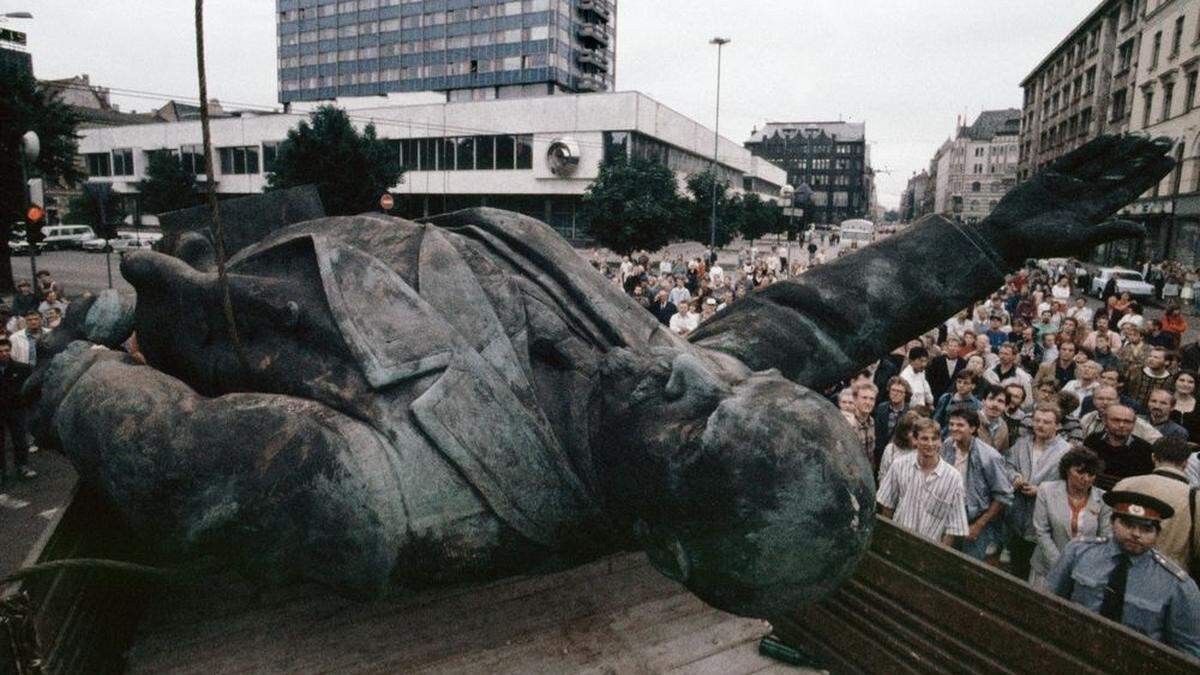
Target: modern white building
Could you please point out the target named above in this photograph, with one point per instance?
(533, 155)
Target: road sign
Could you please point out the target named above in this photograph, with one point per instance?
(386, 202)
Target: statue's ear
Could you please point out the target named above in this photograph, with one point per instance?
(393, 334)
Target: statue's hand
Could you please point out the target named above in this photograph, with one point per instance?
(1061, 211)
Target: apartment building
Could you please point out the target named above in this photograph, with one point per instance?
(473, 50)
(972, 171)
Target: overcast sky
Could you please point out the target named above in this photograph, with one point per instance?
(905, 67)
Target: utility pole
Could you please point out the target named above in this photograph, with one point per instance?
(712, 230)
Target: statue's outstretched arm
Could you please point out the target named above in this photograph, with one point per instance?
(821, 327)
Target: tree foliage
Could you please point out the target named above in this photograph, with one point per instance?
(86, 211)
(351, 170)
(759, 218)
(167, 185)
(633, 205)
(26, 107)
(697, 224)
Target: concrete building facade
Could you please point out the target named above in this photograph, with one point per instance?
(477, 50)
(971, 172)
(831, 158)
(912, 200)
(534, 155)
(1145, 56)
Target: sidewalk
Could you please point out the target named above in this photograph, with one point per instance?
(28, 507)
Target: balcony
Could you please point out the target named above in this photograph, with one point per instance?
(599, 8)
(589, 82)
(593, 57)
(592, 35)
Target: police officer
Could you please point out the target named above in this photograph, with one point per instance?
(1125, 579)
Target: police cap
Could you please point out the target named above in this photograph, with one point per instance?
(1138, 506)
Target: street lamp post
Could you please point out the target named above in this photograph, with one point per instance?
(712, 230)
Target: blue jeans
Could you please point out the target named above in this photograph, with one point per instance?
(978, 549)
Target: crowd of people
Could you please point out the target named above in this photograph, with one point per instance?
(1025, 431)
(36, 309)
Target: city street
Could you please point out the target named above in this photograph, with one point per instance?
(77, 271)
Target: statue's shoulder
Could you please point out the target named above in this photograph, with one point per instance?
(534, 250)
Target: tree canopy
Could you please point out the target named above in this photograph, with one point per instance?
(633, 205)
(167, 185)
(760, 218)
(351, 170)
(697, 224)
(26, 107)
(85, 210)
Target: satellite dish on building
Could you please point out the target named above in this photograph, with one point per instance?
(563, 156)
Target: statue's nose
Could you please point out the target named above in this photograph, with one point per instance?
(151, 272)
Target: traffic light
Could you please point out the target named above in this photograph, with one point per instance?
(35, 220)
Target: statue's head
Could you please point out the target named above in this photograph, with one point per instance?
(747, 488)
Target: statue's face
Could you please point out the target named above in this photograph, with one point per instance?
(750, 490)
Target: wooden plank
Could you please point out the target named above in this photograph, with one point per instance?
(950, 615)
(840, 646)
(1106, 645)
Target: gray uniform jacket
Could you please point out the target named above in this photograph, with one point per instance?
(1161, 600)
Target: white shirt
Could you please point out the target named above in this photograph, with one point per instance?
(1060, 292)
(930, 505)
(715, 272)
(682, 325)
(1083, 315)
(921, 393)
(956, 327)
(664, 267)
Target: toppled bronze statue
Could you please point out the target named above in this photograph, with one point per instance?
(467, 398)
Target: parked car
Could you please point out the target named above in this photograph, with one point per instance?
(18, 245)
(67, 236)
(124, 241)
(1128, 281)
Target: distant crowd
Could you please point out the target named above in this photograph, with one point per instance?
(36, 309)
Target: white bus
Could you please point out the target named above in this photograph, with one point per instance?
(856, 232)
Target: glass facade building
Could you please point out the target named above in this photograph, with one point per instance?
(471, 49)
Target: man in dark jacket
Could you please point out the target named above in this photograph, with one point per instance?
(12, 412)
(943, 369)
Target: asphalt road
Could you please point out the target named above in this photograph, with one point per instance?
(76, 271)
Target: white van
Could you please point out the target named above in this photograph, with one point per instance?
(67, 236)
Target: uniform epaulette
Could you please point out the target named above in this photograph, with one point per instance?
(1170, 565)
(1095, 540)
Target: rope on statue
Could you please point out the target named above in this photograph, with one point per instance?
(218, 229)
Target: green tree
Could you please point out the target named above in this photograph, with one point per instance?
(26, 107)
(167, 185)
(351, 170)
(759, 218)
(697, 224)
(633, 205)
(86, 210)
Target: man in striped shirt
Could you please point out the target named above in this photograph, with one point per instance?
(922, 492)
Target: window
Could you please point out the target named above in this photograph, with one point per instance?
(506, 150)
(1168, 96)
(465, 150)
(270, 151)
(1125, 56)
(239, 160)
(428, 149)
(1118, 105)
(1177, 38)
(975, 187)
(122, 162)
(1155, 50)
(1147, 105)
(191, 158)
(409, 152)
(99, 164)
(485, 153)
(1190, 101)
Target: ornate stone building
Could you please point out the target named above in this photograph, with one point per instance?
(971, 172)
(829, 157)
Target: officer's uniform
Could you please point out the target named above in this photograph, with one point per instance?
(1160, 599)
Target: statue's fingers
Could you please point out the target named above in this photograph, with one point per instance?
(1113, 230)
(1125, 184)
(1086, 155)
(1128, 156)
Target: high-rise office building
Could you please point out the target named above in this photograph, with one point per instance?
(470, 49)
